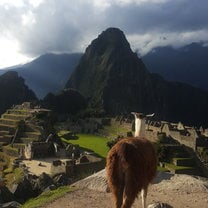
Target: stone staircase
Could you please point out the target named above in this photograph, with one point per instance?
(9, 123)
(7, 130)
(29, 136)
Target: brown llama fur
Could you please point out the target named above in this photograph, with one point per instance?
(131, 167)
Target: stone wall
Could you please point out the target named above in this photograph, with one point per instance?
(91, 167)
(38, 150)
(151, 135)
(187, 162)
(84, 168)
(188, 141)
(203, 169)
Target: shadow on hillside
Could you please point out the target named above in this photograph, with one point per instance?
(70, 136)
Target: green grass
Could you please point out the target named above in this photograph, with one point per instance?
(90, 142)
(47, 197)
(19, 116)
(182, 158)
(174, 167)
(11, 111)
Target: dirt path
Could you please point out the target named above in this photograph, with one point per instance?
(179, 191)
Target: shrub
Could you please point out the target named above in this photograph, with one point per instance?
(111, 143)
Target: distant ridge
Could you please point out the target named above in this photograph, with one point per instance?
(187, 64)
(47, 73)
(13, 91)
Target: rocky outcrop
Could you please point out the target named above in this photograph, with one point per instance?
(6, 195)
(24, 190)
(31, 186)
(12, 204)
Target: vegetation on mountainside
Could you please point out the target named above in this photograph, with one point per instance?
(68, 101)
(11, 175)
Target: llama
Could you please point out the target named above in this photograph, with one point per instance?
(140, 123)
(131, 166)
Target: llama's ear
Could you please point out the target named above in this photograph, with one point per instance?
(134, 114)
(150, 115)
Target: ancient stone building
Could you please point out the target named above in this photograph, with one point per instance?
(39, 150)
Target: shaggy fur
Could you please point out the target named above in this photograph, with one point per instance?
(131, 166)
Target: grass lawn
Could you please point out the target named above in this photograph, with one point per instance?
(92, 142)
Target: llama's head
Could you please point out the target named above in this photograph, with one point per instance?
(141, 115)
(140, 119)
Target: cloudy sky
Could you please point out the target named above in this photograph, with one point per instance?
(29, 28)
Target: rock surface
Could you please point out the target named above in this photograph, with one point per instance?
(168, 190)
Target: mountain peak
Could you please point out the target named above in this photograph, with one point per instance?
(108, 73)
(112, 35)
(110, 39)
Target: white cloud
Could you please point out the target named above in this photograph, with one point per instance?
(35, 3)
(15, 3)
(20, 3)
(101, 4)
(147, 42)
(10, 54)
(28, 19)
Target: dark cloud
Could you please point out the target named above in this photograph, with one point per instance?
(57, 27)
(172, 16)
(69, 26)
